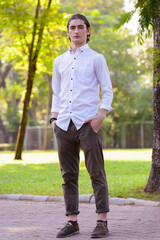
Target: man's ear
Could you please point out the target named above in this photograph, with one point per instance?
(89, 30)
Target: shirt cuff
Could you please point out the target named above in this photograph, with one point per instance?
(108, 108)
(53, 109)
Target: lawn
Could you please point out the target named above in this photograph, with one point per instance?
(39, 173)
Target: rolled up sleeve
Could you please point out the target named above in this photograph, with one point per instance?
(56, 86)
(104, 80)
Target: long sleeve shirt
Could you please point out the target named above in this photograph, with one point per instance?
(75, 82)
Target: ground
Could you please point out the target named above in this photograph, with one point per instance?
(27, 220)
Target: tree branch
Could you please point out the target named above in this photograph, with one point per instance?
(34, 29)
(4, 74)
(20, 32)
(40, 34)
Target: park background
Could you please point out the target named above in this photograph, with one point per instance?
(130, 126)
(131, 122)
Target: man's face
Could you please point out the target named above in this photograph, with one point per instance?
(77, 32)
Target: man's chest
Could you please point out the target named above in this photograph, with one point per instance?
(77, 68)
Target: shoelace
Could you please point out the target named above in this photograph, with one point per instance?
(68, 224)
(100, 224)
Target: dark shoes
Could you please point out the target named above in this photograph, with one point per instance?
(69, 229)
(100, 230)
(72, 228)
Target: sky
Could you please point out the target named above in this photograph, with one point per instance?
(133, 23)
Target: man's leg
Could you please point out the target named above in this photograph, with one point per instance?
(91, 143)
(68, 150)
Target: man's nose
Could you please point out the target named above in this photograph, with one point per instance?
(76, 30)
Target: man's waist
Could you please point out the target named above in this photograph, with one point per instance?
(63, 120)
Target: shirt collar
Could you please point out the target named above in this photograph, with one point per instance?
(82, 48)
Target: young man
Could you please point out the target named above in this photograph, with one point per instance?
(76, 121)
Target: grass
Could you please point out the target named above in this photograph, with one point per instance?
(39, 173)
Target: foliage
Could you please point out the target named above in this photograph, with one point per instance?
(16, 37)
(21, 14)
(125, 19)
(117, 48)
(31, 29)
(147, 10)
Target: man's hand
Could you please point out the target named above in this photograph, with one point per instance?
(53, 125)
(96, 122)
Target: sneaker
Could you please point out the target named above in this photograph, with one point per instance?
(100, 230)
(69, 229)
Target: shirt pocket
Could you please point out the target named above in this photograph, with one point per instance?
(85, 74)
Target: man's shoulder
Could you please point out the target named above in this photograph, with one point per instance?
(95, 53)
(97, 58)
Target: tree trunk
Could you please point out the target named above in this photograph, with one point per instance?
(4, 74)
(47, 113)
(24, 118)
(4, 131)
(153, 184)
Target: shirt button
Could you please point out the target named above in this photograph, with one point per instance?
(70, 112)
(72, 67)
(71, 78)
(70, 101)
(71, 90)
(75, 58)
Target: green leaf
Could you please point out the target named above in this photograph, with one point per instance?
(125, 19)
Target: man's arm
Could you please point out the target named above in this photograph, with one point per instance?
(56, 86)
(104, 80)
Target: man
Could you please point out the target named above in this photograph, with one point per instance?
(76, 121)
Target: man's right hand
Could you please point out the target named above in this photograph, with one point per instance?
(54, 115)
(53, 125)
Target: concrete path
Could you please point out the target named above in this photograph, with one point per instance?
(29, 220)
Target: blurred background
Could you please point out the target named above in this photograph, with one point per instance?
(130, 125)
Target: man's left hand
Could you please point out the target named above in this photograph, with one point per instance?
(96, 122)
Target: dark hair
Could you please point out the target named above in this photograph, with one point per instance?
(82, 17)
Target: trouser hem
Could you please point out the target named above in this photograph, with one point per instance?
(102, 210)
(72, 212)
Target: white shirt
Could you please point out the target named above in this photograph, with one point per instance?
(75, 82)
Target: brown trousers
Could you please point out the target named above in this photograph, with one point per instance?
(69, 143)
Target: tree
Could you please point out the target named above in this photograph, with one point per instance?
(149, 19)
(31, 24)
(33, 50)
(153, 184)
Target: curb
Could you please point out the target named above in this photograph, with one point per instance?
(88, 198)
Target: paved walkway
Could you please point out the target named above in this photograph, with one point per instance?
(29, 220)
